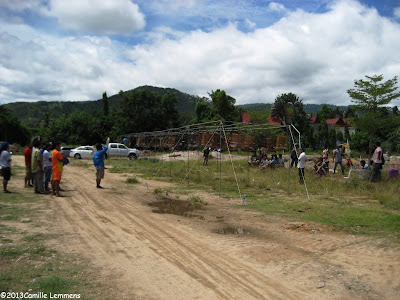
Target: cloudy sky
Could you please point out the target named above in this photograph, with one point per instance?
(255, 50)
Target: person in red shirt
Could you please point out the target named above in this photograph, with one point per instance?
(28, 165)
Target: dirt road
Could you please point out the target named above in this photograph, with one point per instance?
(145, 255)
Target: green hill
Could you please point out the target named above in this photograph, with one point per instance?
(256, 107)
(30, 113)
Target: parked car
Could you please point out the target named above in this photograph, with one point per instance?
(82, 152)
(65, 150)
(120, 150)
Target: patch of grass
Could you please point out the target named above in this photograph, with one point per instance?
(157, 191)
(36, 237)
(196, 199)
(10, 252)
(25, 249)
(15, 212)
(81, 163)
(390, 196)
(132, 180)
(4, 229)
(54, 284)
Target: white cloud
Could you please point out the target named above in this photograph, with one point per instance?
(277, 7)
(20, 5)
(396, 12)
(316, 56)
(97, 16)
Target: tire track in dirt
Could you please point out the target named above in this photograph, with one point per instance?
(223, 276)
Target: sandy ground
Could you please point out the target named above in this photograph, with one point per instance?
(140, 254)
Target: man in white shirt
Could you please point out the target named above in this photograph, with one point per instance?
(301, 165)
(5, 164)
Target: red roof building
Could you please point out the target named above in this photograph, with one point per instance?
(338, 123)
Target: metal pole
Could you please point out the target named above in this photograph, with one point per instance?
(290, 153)
(188, 161)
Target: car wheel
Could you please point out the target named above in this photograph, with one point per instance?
(77, 156)
(132, 156)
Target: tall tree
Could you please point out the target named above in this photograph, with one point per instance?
(326, 112)
(203, 111)
(169, 112)
(347, 132)
(45, 120)
(105, 104)
(350, 113)
(11, 129)
(289, 109)
(224, 106)
(371, 97)
(323, 134)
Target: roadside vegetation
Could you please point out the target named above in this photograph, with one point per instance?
(352, 205)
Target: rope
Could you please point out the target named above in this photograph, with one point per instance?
(233, 167)
(172, 151)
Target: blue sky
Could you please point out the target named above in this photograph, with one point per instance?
(255, 50)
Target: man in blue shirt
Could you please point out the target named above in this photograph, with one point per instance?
(98, 161)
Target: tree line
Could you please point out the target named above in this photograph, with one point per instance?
(143, 110)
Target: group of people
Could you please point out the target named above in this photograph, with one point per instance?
(321, 166)
(44, 165)
(263, 162)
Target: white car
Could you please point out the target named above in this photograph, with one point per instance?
(82, 152)
(120, 150)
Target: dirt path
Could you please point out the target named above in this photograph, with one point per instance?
(144, 255)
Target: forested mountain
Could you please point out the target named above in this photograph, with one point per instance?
(31, 114)
(256, 107)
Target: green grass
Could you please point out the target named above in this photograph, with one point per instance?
(157, 191)
(351, 205)
(132, 180)
(84, 163)
(196, 199)
(54, 284)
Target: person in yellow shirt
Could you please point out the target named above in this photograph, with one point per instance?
(37, 167)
